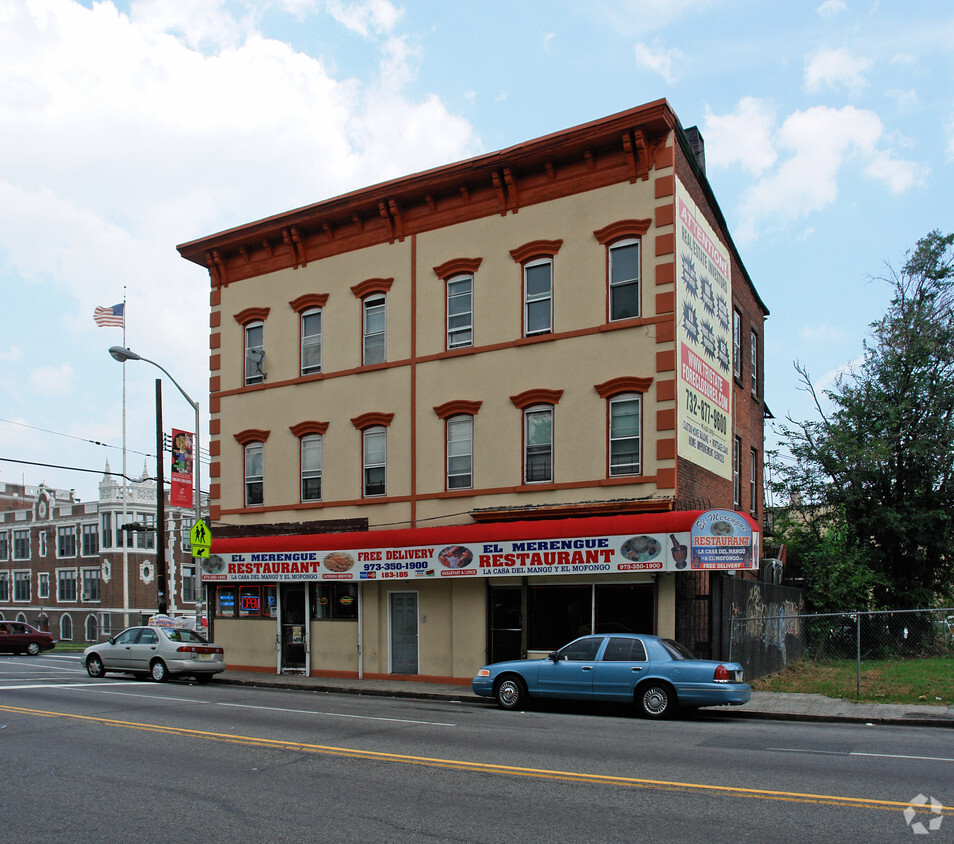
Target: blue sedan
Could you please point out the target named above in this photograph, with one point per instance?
(656, 674)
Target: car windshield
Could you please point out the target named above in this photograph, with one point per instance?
(675, 650)
(190, 637)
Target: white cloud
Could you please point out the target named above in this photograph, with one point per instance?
(12, 355)
(52, 380)
(742, 138)
(831, 8)
(659, 60)
(837, 69)
(370, 17)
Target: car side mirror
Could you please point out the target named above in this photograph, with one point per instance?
(111, 640)
(553, 656)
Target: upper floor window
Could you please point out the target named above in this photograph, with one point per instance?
(753, 481)
(4, 545)
(374, 330)
(106, 521)
(737, 474)
(737, 344)
(43, 584)
(4, 586)
(90, 584)
(754, 362)
(66, 541)
(41, 536)
(538, 444)
(255, 353)
(22, 586)
(66, 585)
(538, 297)
(254, 474)
(624, 279)
(460, 312)
(311, 447)
(146, 538)
(21, 545)
(90, 540)
(375, 456)
(311, 341)
(460, 452)
(624, 434)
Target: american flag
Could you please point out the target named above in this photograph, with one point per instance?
(110, 316)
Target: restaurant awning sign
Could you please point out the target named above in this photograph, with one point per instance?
(721, 540)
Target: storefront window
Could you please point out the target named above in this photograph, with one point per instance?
(334, 601)
(557, 615)
(250, 601)
(225, 600)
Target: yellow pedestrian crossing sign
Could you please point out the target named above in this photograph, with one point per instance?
(200, 537)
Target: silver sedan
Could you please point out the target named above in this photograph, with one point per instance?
(157, 652)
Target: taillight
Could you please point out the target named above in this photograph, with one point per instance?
(722, 675)
(198, 649)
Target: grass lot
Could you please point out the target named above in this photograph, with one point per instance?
(929, 680)
(70, 647)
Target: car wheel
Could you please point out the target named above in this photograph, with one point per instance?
(511, 693)
(159, 671)
(94, 666)
(655, 700)
(202, 679)
(33, 649)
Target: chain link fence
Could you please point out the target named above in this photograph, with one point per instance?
(847, 652)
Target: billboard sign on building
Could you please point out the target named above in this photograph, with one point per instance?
(722, 540)
(180, 494)
(703, 340)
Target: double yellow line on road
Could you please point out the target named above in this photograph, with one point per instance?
(484, 767)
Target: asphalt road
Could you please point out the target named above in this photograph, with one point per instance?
(119, 759)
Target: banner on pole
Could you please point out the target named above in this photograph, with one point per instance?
(181, 491)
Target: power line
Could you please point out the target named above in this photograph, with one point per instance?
(79, 469)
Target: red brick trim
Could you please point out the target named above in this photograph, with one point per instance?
(304, 429)
(623, 384)
(248, 315)
(372, 285)
(535, 249)
(368, 420)
(309, 300)
(457, 266)
(539, 395)
(251, 435)
(457, 407)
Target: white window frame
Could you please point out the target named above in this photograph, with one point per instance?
(63, 579)
(254, 344)
(754, 361)
(41, 542)
(18, 537)
(374, 463)
(312, 447)
(189, 583)
(620, 284)
(460, 452)
(753, 478)
(20, 577)
(90, 575)
(614, 438)
(5, 586)
(254, 474)
(43, 584)
(529, 414)
(89, 530)
(535, 299)
(106, 530)
(737, 473)
(63, 534)
(310, 342)
(4, 545)
(374, 344)
(460, 323)
(737, 344)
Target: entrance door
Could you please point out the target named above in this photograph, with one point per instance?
(404, 633)
(294, 626)
(506, 623)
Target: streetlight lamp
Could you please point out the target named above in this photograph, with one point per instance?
(122, 354)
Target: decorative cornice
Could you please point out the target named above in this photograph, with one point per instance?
(309, 300)
(369, 420)
(251, 435)
(372, 285)
(304, 429)
(623, 384)
(536, 249)
(622, 228)
(251, 315)
(457, 407)
(457, 266)
(539, 395)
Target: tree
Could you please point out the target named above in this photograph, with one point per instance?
(878, 467)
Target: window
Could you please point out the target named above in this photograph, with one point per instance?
(538, 297)
(754, 361)
(460, 312)
(106, 522)
(311, 341)
(66, 585)
(737, 344)
(250, 601)
(92, 629)
(331, 601)
(66, 541)
(255, 353)
(619, 649)
(225, 603)
(21, 545)
(538, 444)
(624, 449)
(43, 585)
(254, 474)
(624, 279)
(311, 468)
(146, 538)
(21, 586)
(66, 628)
(90, 540)
(188, 583)
(737, 474)
(460, 452)
(753, 478)
(374, 330)
(41, 536)
(4, 545)
(375, 460)
(4, 586)
(90, 584)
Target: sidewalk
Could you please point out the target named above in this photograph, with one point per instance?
(795, 707)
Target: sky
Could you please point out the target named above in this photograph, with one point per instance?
(129, 127)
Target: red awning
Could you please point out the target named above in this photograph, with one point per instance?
(647, 523)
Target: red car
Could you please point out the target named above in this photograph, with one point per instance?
(20, 638)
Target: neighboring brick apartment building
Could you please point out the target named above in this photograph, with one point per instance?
(63, 561)
(471, 413)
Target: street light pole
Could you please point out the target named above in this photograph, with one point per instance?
(122, 354)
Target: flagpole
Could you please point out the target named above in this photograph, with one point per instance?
(124, 535)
